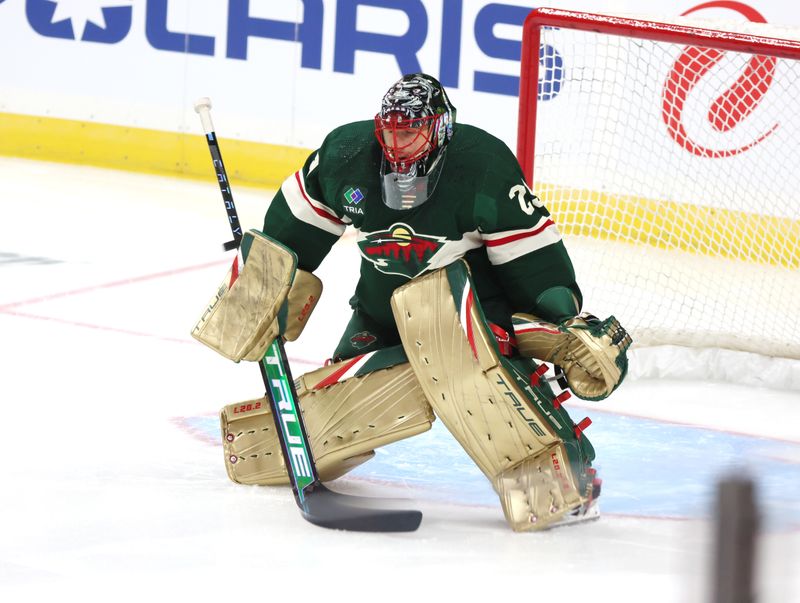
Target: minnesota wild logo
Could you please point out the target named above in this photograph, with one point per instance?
(362, 339)
(399, 250)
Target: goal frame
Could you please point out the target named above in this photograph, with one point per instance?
(617, 26)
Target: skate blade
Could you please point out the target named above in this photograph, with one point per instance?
(580, 515)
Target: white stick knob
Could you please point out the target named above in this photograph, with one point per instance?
(203, 108)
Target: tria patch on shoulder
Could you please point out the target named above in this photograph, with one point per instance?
(353, 196)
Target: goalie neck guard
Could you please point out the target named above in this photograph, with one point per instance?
(413, 127)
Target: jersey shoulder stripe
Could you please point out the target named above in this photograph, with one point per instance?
(508, 245)
(307, 209)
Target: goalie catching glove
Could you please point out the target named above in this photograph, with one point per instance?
(591, 352)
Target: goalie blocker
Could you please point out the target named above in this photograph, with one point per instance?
(268, 299)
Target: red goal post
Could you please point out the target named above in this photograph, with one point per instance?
(668, 148)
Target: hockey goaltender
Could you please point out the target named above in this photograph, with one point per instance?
(466, 291)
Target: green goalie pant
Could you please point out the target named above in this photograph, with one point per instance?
(364, 335)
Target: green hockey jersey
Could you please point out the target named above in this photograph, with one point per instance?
(481, 210)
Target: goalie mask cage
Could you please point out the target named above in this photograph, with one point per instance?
(667, 152)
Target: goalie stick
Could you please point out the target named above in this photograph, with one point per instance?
(318, 504)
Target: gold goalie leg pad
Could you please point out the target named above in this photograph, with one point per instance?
(349, 409)
(507, 426)
(536, 493)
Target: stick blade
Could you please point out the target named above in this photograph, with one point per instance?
(329, 509)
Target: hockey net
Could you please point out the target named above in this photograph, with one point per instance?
(668, 154)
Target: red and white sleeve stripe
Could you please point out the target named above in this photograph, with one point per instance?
(505, 246)
(307, 209)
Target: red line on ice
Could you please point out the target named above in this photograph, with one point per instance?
(121, 283)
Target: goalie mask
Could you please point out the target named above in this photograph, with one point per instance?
(413, 127)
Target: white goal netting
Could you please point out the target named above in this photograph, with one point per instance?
(671, 169)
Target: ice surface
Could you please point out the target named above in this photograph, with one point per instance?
(114, 484)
